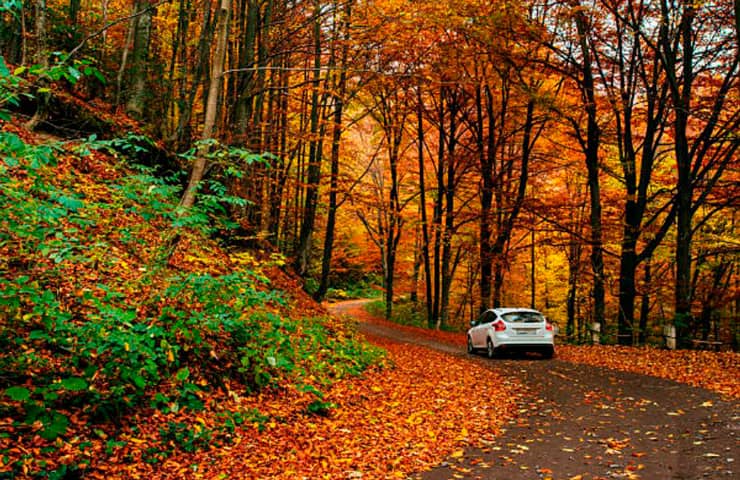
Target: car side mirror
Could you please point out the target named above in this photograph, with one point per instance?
(473, 323)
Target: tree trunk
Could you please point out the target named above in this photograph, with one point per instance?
(214, 90)
(438, 205)
(314, 155)
(627, 288)
(395, 127)
(423, 212)
(533, 271)
(486, 159)
(245, 78)
(341, 88)
(645, 304)
(137, 100)
(574, 262)
(593, 166)
(41, 58)
(74, 11)
(449, 214)
(182, 137)
(280, 170)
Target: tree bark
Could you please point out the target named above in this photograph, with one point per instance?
(593, 166)
(645, 304)
(486, 159)
(74, 11)
(341, 88)
(423, 210)
(303, 253)
(41, 58)
(438, 205)
(137, 99)
(214, 90)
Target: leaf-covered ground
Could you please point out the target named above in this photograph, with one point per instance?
(396, 420)
(716, 371)
(399, 418)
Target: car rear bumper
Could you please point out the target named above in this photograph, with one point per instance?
(506, 339)
(543, 346)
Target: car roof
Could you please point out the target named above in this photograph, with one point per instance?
(503, 311)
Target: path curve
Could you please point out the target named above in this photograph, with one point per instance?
(590, 423)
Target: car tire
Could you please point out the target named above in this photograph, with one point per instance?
(548, 353)
(471, 348)
(490, 349)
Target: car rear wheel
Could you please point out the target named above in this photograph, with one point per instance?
(471, 349)
(548, 353)
(490, 350)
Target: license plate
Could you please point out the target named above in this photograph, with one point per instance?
(525, 332)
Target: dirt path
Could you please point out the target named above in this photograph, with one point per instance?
(588, 423)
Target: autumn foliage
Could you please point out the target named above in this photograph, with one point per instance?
(576, 157)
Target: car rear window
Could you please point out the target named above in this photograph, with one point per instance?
(523, 317)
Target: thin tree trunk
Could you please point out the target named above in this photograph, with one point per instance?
(42, 58)
(423, 210)
(645, 303)
(438, 205)
(574, 261)
(314, 155)
(182, 136)
(179, 45)
(449, 195)
(486, 159)
(74, 11)
(280, 170)
(593, 134)
(533, 271)
(681, 97)
(125, 54)
(214, 89)
(341, 88)
(245, 88)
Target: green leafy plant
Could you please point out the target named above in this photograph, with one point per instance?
(34, 80)
(189, 438)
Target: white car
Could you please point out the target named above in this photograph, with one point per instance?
(501, 330)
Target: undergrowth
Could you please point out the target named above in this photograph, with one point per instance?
(113, 301)
(403, 313)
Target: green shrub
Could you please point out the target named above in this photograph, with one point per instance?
(403, 313)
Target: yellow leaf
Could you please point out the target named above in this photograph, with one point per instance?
(458, 454)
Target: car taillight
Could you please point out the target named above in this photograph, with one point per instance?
(548, 326)
(499, 326)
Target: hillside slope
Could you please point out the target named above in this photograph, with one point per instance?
(115, 307)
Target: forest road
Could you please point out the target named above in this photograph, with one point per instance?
(579, 422)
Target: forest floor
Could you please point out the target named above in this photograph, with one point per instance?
(585, 416)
